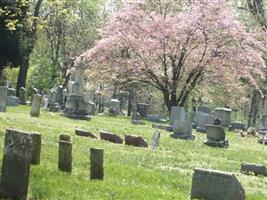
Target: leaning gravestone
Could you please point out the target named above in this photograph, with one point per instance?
(16, 165)
(155, 140)
(111, 137)
(257, 169)
(36, 104)
(216, 185)
(65, 156)
(216, 136)
(136, 141)
(3, 98)
(96, 163)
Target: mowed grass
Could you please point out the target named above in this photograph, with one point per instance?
(130, 173)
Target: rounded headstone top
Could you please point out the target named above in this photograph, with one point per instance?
(115, 100)
(223, 109)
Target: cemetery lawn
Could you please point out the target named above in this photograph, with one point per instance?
(130, 172)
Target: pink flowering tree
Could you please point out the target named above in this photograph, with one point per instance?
(175, 52)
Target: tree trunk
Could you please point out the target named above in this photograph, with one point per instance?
(22, 76)
(253, 111)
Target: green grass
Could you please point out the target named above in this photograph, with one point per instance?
(130, 173)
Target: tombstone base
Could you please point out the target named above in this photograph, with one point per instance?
(213, 143)
(201, 129)
(138, 122)
(165, 127)
(53, 108)
(75, 116)
(183, 136)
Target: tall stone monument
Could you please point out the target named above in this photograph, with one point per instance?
(224, 115)
(76, 105)
(3, 98)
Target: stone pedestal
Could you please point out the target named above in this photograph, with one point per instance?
(143, 109)
(224, 114)
(76, 107)
(3, 98)
(36, 104)
(216, 136)
(16, 165)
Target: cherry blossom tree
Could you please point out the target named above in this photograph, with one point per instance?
(176, 51)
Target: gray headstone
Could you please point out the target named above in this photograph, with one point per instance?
(111, 137)
(11, 92)
(211, 185)
(178, 114)
(22, 96)
(36, 148)
(136, 141)
(65, 156)
(257, 169)
(84, 133)
(3, 98)
(16, 165)
(202, 119)
(216, 136)
(36, 104)
(96, 163)
(224, 114)
(12, 101)
(114, 106)
(143, 109)
(155, 140)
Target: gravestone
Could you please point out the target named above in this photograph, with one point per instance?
(257, 169)
(16, 165)
(143, 109)
(224, 114)
(75, 103)
(36, 104)
(216, 136)
(204, 109)
(155, 140)
(114, 107)
(64, 137)
(53, 105)
(36, 148)
(84, 133)
(3, 98)
(65, 156)
(96, 163)
(182, 126)
(111, 137)
(136, 141)
(216, 185)
(22, 96)
(91, 108)
(237, 126)
(202, 119)
(263, 120)
(60, 95)
(12, 100)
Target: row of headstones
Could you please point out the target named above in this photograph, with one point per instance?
(23, 149)
(130, 140)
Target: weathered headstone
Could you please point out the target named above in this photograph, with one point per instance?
(136, 141)
(219, 185)
(178, 113)
(155, 140)
(22, 96)
(216, 136)
(257, 169)
(114, 107)
(65, 156)
(224, 114)
(36, 104)
(3, 98)
(12, 99)
(36, 148)
(202, 119)
(111, 137)
(16, 165)
(143, 109)
(64, 137)
(84, 133)
(237, 126)
(96, 163)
